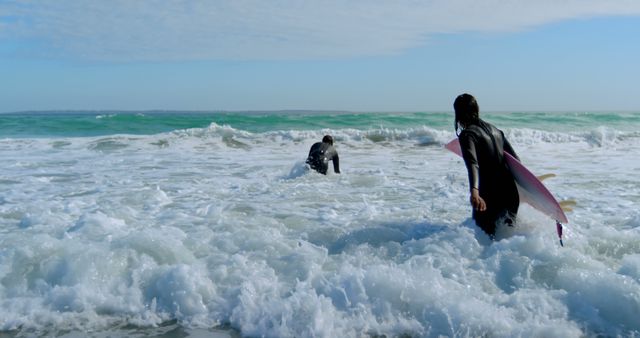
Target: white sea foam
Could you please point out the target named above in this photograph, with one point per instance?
(219, 226)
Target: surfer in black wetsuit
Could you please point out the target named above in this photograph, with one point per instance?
(321, 153)
(494, 196)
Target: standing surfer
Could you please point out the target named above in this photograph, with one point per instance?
(321, 153)
(494, 196)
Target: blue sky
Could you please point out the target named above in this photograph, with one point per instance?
(373, 55)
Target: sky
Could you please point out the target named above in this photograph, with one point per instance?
(349, 55)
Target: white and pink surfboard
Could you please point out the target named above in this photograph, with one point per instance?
(531, 190)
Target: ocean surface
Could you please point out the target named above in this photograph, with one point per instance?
(177, 224)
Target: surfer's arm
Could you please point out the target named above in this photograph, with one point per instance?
(311, 151)
(313, 154)
(336, 163)
(476, 201)
(468, 147)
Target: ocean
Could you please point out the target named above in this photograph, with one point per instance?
(208, 224)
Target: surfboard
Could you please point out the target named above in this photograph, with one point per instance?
(530, 188)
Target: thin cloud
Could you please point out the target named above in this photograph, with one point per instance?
(177, 30)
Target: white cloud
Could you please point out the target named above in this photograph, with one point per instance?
(173, 30)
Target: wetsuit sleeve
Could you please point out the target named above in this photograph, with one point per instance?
(336, 163)
(313, 154)
(468, 147)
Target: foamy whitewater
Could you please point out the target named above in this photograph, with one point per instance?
(221, 226)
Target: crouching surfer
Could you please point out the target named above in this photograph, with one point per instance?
(494, 195)
(321, 153)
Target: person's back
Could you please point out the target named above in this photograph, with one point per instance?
(321, 153)
(489, 146)
(497, 186)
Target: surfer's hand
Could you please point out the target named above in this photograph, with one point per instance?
(477, 202)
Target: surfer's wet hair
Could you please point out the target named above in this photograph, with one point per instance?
(327, 139)
(467, 110)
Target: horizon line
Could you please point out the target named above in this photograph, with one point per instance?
(294, 111)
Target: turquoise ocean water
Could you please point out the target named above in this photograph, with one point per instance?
(82, 124)
(209, 224)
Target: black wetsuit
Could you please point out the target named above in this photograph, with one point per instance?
(319, 156)
(483, 146)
